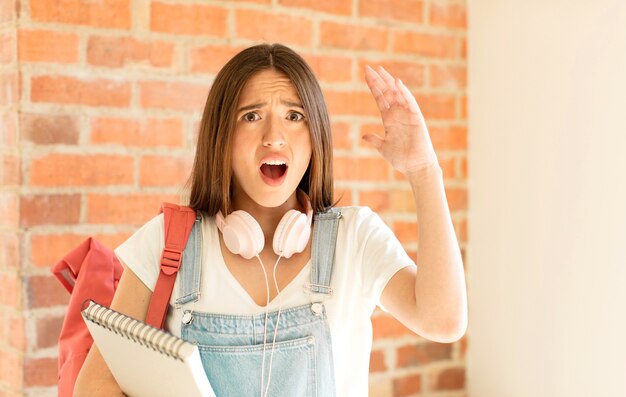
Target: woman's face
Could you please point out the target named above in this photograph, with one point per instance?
(271, 143)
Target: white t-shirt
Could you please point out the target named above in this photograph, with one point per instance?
(367, 255)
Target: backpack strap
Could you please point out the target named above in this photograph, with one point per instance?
(179, 221)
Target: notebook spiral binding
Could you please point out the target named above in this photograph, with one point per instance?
(129, 328)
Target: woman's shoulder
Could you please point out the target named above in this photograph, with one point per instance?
(355, 211)
(357, 216)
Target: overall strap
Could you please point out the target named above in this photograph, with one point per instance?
(325, 229)
(178, 221)
(189, 278)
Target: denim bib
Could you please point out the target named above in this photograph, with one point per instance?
(231, 346)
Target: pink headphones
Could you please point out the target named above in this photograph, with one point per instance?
(243, 235)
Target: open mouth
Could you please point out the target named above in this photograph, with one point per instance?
(274, 171)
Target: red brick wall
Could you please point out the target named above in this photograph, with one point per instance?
(12, 336)
(99, 128)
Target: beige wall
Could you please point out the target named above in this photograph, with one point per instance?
(547, 204)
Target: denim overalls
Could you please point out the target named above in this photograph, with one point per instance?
(231, 346)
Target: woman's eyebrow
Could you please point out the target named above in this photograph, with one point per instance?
(261, 104)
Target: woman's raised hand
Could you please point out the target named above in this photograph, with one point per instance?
(406, 143)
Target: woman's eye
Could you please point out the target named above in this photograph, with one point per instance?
(298, 116)
(251, 116)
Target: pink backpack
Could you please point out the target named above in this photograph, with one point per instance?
(92, 271)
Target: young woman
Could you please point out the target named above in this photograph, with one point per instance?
(287, 282)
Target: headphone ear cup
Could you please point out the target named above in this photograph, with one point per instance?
(292, 234)
(243, 235)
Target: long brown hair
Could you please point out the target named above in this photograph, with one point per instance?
(210, 178)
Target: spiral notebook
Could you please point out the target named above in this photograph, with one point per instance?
(144, 360)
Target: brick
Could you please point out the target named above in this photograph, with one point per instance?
(48, 249)
(402, 201)
(117, 52)
(341, 135)
(399, 10)
(81, 170)
(48, 331)
(10, 173)
(265, 2)
(152, 132)
(15, 329)
(45, 291)
(44, 129)
(90, 92)
(9, 209)
(407, 385)
(422, 354)
(463, 348)
(460, 227)
(424, 44)
(47, 46)
(113, 240)
(437, 106)
(273, 27)
(210, 58)
(451, 379)
(406, 232)
(7, 10)
(463, 49)
(11, 369)
(448, 138)
(343, 196)
(8, 129)
(377, 361)
(338, 7)
(451, 16)
(40, 372)
(448, 77)
(164, 170)
(195, 19)
(133, 209)
(384, 327)
(329, 68)
(353, 36)
(412, 74)
(104, 14)
(463, 173)
(46, 209)
(172, 95)
(356, 103)
(9, 250)
(448, 167)
(9, 86)
(361, 169)
(10, 284)
(457, 198)
(7, 48)
(463, 107)
(377, 200)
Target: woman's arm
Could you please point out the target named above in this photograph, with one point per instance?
(132, 298)
(432, 301)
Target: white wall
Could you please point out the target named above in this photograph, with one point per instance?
(547, 180)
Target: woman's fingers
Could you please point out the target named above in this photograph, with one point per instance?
(375, 80)
(409, 98)
(380, 99)
(388, 90)
(390, 83)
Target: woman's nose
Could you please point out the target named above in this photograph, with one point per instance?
(273, 136)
